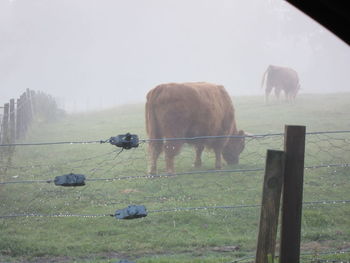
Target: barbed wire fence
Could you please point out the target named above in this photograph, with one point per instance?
(110, 171)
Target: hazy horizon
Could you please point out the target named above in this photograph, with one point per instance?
(98, 54)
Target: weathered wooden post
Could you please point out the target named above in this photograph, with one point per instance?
(294, 147)
(5, 125)
(12, 122)
(24, 114)
(34, 104)
(30, 106)
(22, 117)
(272, 188)
(18, 118)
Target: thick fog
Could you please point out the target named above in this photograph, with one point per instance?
(92, 54)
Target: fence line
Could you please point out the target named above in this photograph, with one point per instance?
(243, 136)
(53, 215)
(177, 209)
(18, 115)
(250, 154)
(256, 136)
(141, 176)
(324, 132)
(327, 166)
(50, 143)
(152, 176)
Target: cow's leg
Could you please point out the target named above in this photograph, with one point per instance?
(287, 95)
(169, 162)
(292, 98)
(267, 93)
(218, 158)
(171, 149)
(154, 150)
(277, 93)
(199, 150)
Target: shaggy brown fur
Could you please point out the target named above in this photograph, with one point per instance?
(186, 110)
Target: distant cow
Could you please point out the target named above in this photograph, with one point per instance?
(187, 110)
(281, 78)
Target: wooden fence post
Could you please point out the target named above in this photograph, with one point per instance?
(294, 147)
(34, 104)
(22, 116)
(12, 121)
(5, 125)
(18, 119)
(272, 188)
(24, 113)
(30, 106)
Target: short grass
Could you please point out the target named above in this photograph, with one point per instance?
(202, 235)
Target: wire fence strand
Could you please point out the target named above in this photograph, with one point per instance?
(51, 143)
(173, 139)
(177, 209)
(152, 176)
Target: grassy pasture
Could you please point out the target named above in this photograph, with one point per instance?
(202, 235)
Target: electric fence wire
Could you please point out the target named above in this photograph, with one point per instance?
(251, 138)
(51, 143)
(152, 176)
(172, 139)
(176, 209)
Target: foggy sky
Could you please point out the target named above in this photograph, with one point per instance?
(94, 54)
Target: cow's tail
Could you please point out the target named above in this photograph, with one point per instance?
(148, 116)
(264, 76)
(151, 121)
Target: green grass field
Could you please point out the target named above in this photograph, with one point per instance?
(198, 235)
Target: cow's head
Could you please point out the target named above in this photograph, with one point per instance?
(233, 148)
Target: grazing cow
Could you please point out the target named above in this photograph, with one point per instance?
(281, 78)
(187, 110)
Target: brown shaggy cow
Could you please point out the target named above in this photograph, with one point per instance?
(187, 110)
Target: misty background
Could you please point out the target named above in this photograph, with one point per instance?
(92, 54)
